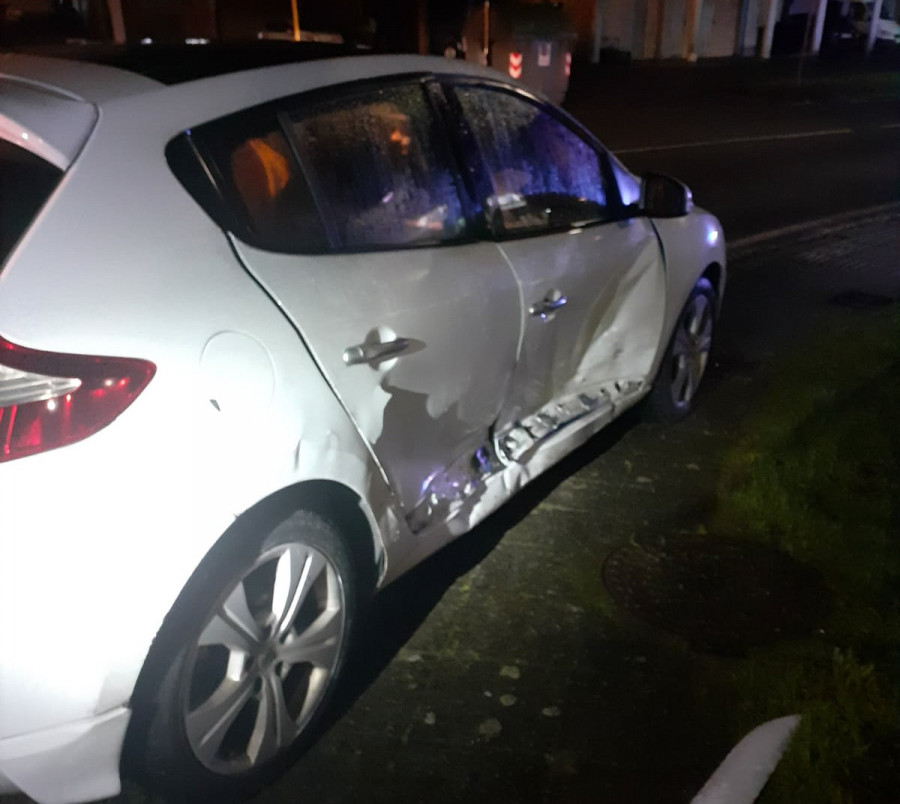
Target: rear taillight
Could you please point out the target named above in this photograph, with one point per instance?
(49, 400)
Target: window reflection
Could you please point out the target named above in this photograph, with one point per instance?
(375, 166)
(537, 174)
(269, 190)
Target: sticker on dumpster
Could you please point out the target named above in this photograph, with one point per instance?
(545, 51)
(515, 65)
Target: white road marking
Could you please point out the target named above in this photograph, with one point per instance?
(891, 125)
(829, 220)
(744, 772)
(799, 135)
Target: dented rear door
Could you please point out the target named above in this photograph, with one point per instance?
(413, 322)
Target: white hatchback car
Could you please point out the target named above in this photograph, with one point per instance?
(267, 340)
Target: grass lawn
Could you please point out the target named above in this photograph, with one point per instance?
(816, 473)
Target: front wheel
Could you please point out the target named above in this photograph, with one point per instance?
(247, 662)
(686, 357)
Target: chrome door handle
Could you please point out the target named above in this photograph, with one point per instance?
(374, 352)
(546, 306)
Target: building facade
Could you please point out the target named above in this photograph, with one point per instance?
(692, 29)
(635, 29)
(683, 29)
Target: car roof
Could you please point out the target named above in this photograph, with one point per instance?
(102, 73)
(98, 75)
(170, 63)
(75, 80)
(49, 89)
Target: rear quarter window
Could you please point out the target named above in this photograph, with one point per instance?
(26, 182)
(257, 190)
(348, 170)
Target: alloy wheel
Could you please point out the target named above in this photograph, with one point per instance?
(264, 659)
(690, 349)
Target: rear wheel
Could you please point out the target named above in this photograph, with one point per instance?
(686, 357)
(247, 661)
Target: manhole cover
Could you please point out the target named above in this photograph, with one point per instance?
(860, 300)
(721, 595)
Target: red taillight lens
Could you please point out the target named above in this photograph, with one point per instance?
(48, 400)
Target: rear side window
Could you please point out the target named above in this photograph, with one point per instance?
(532, 172)
(379, 170)
(262, 184)
(26, 182)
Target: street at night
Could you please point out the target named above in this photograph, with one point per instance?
(763, 146)
(614, 631)
(323, 268)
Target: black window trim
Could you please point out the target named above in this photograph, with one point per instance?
(227, 202)
(221, 205)
(283, 118)
(199, 176)
(447, 120)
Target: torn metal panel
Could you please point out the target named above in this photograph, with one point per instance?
(477, 485)
(521, 440)
(448, 491)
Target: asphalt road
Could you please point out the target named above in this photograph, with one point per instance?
(760, 153)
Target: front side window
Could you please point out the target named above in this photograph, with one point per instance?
(379, 171)
(532, 172)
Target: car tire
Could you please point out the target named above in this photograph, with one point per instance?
(686, 357)
(239, 677)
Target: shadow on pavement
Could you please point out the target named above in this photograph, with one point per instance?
(721, 595)
(398, 611)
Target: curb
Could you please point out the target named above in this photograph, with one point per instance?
(832, 222)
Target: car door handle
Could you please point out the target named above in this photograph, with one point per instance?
(374, 352)
(547, 306)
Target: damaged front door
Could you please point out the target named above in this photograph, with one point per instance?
(593, 284)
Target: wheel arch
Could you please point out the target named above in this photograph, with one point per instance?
(345, 509)
(332, 500)
(714, 273)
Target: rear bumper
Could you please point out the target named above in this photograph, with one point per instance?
(71, 763)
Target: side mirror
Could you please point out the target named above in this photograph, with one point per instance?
(664, 197)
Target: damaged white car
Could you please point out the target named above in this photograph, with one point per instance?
(267, 340)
